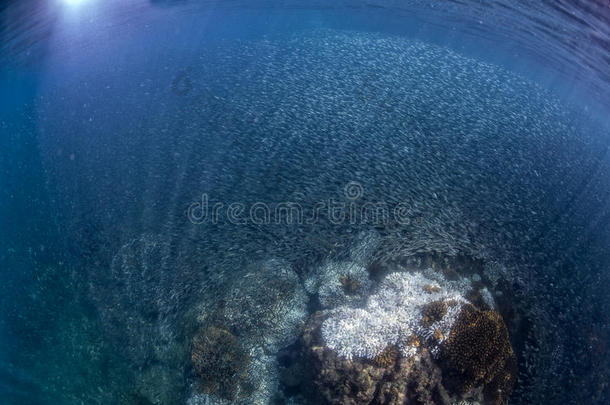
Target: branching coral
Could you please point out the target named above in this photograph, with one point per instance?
(392, 315)
(387, 358)
(433, 312)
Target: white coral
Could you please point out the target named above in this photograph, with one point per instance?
(392, 315)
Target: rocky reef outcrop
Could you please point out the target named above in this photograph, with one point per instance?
(418, 340)
(388, 378)
(266, 306)
(233, 355)
(404, 335)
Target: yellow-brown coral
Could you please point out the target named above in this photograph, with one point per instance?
(387, 358)
(478, 351)
(432, 312)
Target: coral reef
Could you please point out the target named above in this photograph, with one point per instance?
(404, 304)
(478, 352)
(340, 283)
(345, 282)
(433, 312)
(266, 306)
(389, 378)
(481, 180)
(417, 340)
(387, 358)
(219, 361)
(264, 310)
(257, 384)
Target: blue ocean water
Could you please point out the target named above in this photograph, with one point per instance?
(147, 146)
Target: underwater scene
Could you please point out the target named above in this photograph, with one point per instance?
(304, 202)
